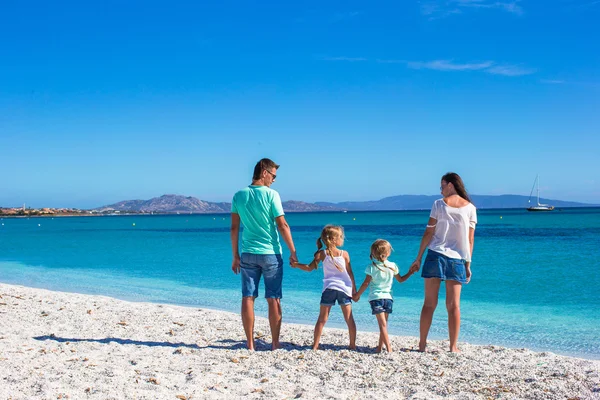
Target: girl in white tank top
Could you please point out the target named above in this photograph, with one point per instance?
(338, 280)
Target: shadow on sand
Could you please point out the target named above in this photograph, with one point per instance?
(225, 344)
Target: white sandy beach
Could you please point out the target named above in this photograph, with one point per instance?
(57, 345)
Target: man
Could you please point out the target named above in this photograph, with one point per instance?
(259, 209)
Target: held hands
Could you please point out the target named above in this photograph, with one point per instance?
(293, 259)
(355, 297)
(235, 265)
(415, 266)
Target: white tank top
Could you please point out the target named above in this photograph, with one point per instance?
(333, 278)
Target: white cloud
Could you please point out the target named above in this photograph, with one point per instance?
(443, 8)
(446, 65)
(350, 59)
(510, 70)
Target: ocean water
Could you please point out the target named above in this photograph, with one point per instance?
(535, 280)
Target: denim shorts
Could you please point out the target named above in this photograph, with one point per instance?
(255, 265)
(381, 306)
(437, 265)
(329, 297)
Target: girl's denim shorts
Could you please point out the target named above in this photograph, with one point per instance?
(437, 265)
(381, 306)
(330, 296)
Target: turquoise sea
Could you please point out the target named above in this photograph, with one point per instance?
(535, 279)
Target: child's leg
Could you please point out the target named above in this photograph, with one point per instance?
(323, 316)
(347, 311)
(432, 288)
(384, 339)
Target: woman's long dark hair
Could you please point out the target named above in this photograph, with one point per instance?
(457, 182)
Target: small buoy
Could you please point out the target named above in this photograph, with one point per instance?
(501, 217)
(353, 219)
(133, 224)
(39, 224)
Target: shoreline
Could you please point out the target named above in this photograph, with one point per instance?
(310, 322)
(58, 344)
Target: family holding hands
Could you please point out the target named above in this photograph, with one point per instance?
(448, 239)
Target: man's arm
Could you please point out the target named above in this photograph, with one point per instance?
(286, 234)
(235, 238)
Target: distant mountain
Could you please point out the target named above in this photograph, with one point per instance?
(422, 202)
(168, 203)
(301, 206)
(171, 203)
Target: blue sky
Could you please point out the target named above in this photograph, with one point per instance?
(107, 101)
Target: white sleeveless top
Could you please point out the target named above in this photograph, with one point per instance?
(333, 278)
(451, 237)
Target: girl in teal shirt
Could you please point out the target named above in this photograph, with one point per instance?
(380, 276)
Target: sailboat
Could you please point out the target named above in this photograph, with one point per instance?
(538, 207)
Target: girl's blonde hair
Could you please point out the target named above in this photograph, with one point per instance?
(380, 249)
(328, 237)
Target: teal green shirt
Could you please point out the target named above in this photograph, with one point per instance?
(382, 278)
(258, 206)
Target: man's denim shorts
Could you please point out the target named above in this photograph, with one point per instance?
(437, 265)
(329, 297)
(255, 265)
(381, 306)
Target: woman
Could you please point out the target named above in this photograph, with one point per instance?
(449, 239)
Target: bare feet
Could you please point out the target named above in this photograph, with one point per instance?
(422, 347)
(454, 349)
(275, 346)
(352, 347)
(250, 345)
(315, 347)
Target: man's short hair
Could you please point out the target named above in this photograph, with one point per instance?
(264, 164)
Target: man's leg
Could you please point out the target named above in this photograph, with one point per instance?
(250, 280)
(272, 269)
(248, 320)
(275, 321)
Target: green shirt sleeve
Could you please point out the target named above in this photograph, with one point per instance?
(369, 270)
(276, 206)
(233, 206)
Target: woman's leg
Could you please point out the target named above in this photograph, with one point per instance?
(453, 289)
(384, 338)
(323, 316)
(347, 311)
(432, 288)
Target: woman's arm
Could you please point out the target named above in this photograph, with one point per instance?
(427, 236)
(471, 243)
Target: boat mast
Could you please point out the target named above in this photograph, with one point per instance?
(538, 188)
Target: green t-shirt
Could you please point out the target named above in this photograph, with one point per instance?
(382, 277)
(258, 206)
